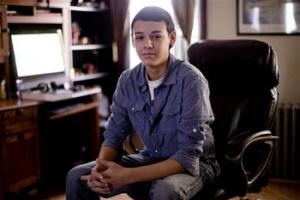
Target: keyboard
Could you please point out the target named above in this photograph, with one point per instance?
(58, 95)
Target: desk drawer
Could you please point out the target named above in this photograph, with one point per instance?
(20, 155)
(17, 120)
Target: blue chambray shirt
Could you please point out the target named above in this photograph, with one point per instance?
(175, 125)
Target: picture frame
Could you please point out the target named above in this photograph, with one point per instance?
(268, 17)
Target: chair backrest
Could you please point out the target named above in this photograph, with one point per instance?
(242, 76)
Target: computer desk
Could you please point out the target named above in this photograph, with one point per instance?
(69, 132)
(43, 139)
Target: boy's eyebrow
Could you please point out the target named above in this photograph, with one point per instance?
(140, 32)
(156, 31)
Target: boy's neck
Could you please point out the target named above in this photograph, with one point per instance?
(155, 73)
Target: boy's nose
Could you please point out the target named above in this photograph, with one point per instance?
(148, 43)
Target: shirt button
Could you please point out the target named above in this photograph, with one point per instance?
(194, 130)
(132, 108)
(170, 114)
(156, 151)
(157, 98)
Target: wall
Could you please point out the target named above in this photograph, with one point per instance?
(221, 24)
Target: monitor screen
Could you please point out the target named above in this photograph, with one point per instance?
(38, 53)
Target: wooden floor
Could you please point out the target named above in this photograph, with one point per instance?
(275, 190)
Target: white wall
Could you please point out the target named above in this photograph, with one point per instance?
(221, 24)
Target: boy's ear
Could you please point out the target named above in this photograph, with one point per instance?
(172, 37)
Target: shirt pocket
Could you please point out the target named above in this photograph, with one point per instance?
(170, 117)
(169, 129)
(137, 115)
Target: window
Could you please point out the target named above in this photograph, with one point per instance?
(179, 49)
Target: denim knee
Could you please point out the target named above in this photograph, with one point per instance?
(73, 175)
(74, 185)
(164, 189)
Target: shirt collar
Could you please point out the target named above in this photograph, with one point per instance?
(169, 79)
(141, 79)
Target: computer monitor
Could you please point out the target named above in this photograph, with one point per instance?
(38, 57)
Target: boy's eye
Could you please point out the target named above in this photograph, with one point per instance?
(155, 37)
(139, 37)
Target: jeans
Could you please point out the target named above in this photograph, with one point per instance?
(178, 186)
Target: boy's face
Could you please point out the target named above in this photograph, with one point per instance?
(152, 42)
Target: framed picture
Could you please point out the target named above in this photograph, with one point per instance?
(268, 17)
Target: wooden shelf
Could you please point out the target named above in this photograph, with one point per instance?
(87, 9)
(81, 47)
(43, 3)
(19, 3)
(38, 19)
(16, 104)
(89, 77)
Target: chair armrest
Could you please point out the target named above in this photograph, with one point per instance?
(239, 143)
(251, 154)
(133, 144)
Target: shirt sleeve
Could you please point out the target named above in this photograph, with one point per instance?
(194, 123)
(119, 125)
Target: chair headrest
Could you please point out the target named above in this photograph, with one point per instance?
(236, 65)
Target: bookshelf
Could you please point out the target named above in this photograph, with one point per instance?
(91, 52)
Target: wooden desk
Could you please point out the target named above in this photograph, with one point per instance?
(43, 140)
(19, 149)
(69, 134)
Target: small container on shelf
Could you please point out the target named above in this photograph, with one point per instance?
(75, 33)
(88, 68)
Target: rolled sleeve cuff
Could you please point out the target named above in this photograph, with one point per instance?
(191, 164)
(112, 144)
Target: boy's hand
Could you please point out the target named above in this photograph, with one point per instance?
(94, 180)
(114, 174)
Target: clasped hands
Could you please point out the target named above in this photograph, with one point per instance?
(106, 176)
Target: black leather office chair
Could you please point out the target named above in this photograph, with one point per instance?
(242, 76)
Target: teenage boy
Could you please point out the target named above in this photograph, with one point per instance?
(166, 101)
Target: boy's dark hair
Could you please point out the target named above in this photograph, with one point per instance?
(153, 13)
